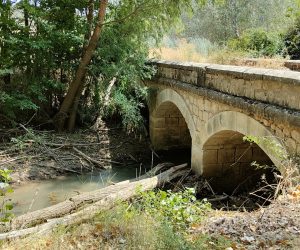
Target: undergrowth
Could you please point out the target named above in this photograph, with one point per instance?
(159, 220)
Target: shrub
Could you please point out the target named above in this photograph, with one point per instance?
(292, 41)
(5, 204)
(180, 209)
(258, 43)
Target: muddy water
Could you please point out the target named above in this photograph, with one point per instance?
(37, 195)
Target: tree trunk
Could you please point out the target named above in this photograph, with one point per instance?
(61, 117)
(73, 114)
(103, 199)
(106, 103)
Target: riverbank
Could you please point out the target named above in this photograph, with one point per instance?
(42, 155)
(130, 225)
(233, 222)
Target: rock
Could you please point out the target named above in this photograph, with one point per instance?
(122, 241)
(247, 239)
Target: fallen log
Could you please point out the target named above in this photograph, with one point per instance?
(102, 199)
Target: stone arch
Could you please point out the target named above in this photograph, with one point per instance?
(170, 109)
(227, 157)
(169, 95)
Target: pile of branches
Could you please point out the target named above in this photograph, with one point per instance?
(55, 153)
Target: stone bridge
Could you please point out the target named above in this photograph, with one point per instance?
(210, 108)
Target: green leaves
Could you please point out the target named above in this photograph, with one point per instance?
(42, 46)
(258, 43)
(181, 209)
(270, 144)
(5, 204)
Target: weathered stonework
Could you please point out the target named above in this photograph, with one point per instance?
(204, 102)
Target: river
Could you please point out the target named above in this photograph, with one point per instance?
(36, 195)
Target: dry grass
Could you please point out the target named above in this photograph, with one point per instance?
(119, 228)
(187, 52)
(184, 52)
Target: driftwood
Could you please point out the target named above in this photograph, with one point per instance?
(59, 168)
(86, 157)
(102, 199)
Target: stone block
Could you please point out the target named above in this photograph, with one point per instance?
(158, 122)
(291, 144)
(173, 131)
(287, 132)
(212, 170)
(279, 133)
(260, 95)
(182, 122)
(210, 156)
(172, 121)
(226, 155)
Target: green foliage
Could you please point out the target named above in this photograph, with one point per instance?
(268, 143)
(258, 43)
(28, 139)
(292, 40)
(180, 209)
(128, 109)
(222, 20)
(6, 204)
(135, 229)
(42, 42)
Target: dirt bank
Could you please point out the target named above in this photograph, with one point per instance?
(40, 155)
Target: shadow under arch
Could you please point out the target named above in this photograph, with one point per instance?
(227, 158)
(171, 122)
(169, 95)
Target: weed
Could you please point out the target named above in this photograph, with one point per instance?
(5, 204)
(289, 167)
(131, 227)
(180, 210)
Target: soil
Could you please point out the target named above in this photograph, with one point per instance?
(274, 227)
(248, 221)
(40, 155)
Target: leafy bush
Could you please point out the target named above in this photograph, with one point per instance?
(292, 41)
(258, 43)
(181, 209)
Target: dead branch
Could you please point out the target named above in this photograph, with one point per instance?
(97, 163)
(59, 168)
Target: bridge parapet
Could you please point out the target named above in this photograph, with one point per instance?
(278, 87)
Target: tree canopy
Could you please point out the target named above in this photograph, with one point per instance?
(44, 44)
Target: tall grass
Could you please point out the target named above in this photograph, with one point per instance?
(202, 51)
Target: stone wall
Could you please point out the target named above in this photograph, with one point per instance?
(278, 87)
(169, 129)
(213, 98)
(227, 158)
(204, 102)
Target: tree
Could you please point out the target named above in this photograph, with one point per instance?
(230, 18)
(61, 55)
(77, 83)
(151, 14)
